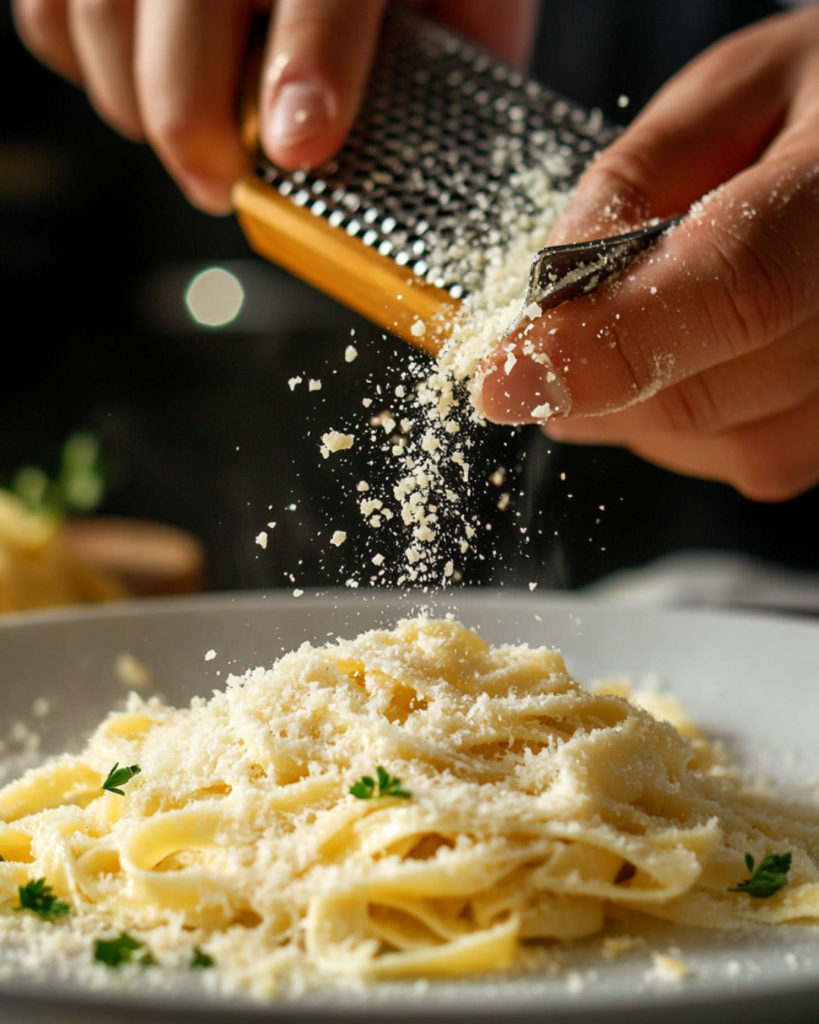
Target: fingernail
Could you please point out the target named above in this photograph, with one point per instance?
(528, 392)
(301, 112)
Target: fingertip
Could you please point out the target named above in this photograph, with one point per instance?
(514, 387)
(210, 195)
(43, 28)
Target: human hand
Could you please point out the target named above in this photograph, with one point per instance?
(704, 357)
(168, 71)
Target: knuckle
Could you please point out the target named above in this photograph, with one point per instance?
(757, 299)
(689, 407)
(643, 371)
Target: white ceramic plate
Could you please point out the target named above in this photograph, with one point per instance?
(751, 680)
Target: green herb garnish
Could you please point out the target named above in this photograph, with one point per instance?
(78, 487)
(39, 898)
(118, 777)
(200, 958)
(119, 951)
(368, 788)
(768, 878)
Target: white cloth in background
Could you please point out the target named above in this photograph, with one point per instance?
(715, 579)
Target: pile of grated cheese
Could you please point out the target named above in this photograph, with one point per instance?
(519, 806)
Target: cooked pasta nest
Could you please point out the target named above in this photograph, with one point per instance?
(538, 809)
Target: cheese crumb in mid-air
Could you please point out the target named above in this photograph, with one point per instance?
(362, 485)
(350, 354)
(132, 672)
(532, 586)
(261, 539)
(378, 559)
(418, 329)
(668, 969)
(294, 382)
(314, 385)
(338, 538)
(210, 655)
(297, 593)
(41, 706)
(333, 441)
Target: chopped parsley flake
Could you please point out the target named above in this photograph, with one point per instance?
(119, 951)
(200, 958)
(118, 777)
(768, 878)
(368, 788)
(39, 898)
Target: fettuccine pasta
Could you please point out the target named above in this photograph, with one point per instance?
(532, 810)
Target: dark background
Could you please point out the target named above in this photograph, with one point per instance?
(199, 425)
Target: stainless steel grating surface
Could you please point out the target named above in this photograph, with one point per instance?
(435, 170)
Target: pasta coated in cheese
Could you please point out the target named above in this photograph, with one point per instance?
(537, 807)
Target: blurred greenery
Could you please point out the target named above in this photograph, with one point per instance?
(78, 487)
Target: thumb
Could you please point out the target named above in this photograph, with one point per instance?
(735, 275)
(739, 272)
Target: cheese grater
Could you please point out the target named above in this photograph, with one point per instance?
(433, 175)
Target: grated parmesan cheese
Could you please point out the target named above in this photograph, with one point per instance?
(333, 441)
(524, 796)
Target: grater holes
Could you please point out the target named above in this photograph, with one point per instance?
(438, 147)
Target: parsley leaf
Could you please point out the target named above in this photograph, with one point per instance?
(768, 878)
(39, 898)
(118, 777)
(200, 958)
(368, 788)
(119, 951)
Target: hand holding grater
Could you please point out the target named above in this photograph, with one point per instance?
(436, 172)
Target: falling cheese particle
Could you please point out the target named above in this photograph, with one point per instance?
(333, 441)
